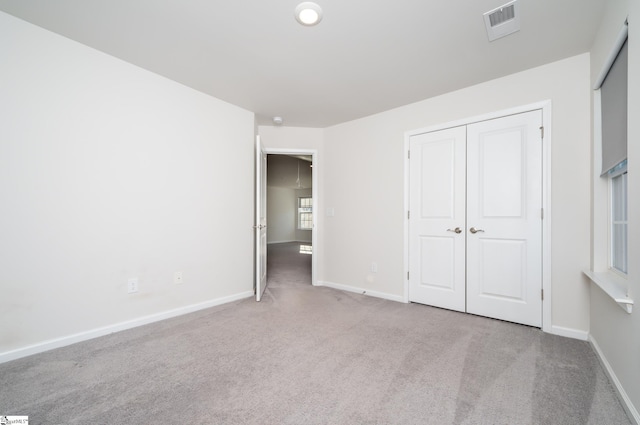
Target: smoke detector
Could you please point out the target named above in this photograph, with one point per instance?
(503, 20)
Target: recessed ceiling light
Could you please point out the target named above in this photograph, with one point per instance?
(308, 13)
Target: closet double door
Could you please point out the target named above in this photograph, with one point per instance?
(475, 227)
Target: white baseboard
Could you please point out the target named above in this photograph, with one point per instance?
(363, 291)
(626, 402)
(570, 333)
(106, 330)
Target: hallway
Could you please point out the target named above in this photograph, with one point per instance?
(286, 265)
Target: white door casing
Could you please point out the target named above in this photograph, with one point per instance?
(437, 223)
(261, 220)
(504, 205)
(501, 200)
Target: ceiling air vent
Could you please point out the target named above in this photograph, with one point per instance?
(503, 20)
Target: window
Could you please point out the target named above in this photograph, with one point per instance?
(609, 259)
(613, 95)
(618, 202)
(305, 213)
(306, 249)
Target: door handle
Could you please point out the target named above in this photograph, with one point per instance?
(474, 230)
(457, 230)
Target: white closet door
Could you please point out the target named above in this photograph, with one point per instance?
(437, 206)
(504, 223)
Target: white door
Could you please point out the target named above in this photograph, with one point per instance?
(484, 179)
(261, 220)
(437, 222)
(504, 205)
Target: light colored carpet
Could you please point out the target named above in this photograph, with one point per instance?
(308, 355)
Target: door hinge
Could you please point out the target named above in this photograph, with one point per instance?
(408, 215)
(408, 154)
(542, 294)
(407, 275)
(542, 213)
(542, 131)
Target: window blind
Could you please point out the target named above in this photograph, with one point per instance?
(614, 113)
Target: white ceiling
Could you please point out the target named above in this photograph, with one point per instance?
(364, 57)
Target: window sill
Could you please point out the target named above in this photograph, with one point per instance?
(612, 285)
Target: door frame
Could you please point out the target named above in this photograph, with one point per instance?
(314, 195)
(545, 106)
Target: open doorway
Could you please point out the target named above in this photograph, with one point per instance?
(290, 217)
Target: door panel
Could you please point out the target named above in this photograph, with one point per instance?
(437, 256)
(504, 200)
(508, 280)
(261, 220)
(437, 164)
(437, 203)
(500, 171)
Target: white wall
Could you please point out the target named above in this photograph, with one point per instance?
(282, 219)
(108, 172)
(291, 137)
(368, 222)
(614, 332)
(280, 215)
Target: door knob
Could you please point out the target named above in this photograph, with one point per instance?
(457, 230)
(474, 230)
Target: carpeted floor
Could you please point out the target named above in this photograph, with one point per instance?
(314, 355)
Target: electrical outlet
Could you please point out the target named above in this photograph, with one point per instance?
(177, 278)
(132, 285)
